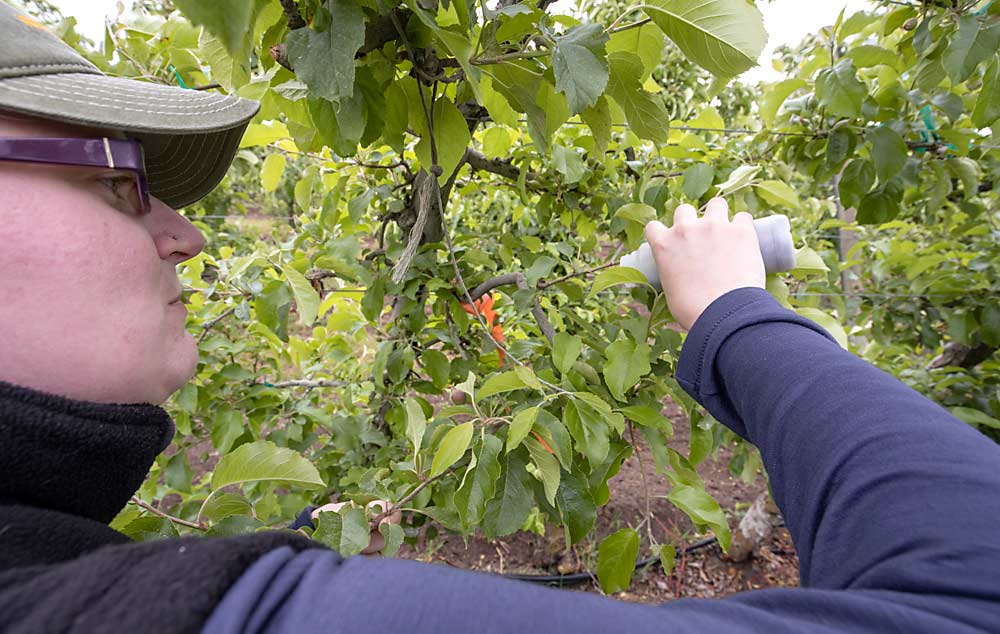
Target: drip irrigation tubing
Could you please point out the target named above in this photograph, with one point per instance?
(583, 577)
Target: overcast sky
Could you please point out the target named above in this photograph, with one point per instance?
(787, 21)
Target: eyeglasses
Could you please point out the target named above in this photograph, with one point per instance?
(117, 154)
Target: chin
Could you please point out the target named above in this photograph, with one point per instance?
(182, 363)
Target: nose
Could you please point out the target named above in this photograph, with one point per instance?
(175, 237)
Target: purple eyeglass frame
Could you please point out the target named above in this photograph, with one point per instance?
(118, 154)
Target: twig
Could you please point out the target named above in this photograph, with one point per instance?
(631, 25)
(210, 86)
(559, 280)
(406, 498)
(500, 59)
(176, 520)
(645, 488)
(306, 383)
(211, 324)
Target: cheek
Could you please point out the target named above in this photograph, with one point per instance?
(70, 259)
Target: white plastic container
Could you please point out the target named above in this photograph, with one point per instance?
(774, 233)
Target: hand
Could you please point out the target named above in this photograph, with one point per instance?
(702, 259)
(375, 540)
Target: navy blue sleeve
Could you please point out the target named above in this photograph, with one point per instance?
(894, 506)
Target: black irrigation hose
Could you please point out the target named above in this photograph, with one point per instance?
(583, 577)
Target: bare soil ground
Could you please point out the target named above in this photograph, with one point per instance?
(705, 573)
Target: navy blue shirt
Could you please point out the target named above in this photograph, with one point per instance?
(893, 504)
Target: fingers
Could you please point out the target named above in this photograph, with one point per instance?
(655, 231)
(685, 214)
(743, 218)
(717, 210)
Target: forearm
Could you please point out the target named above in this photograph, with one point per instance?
(880, 487)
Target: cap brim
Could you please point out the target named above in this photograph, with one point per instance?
(189, 137)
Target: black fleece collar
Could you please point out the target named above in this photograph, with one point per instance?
(76, 457)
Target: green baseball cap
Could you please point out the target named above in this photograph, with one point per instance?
(189, 137)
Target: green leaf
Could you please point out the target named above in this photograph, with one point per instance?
(589, 429)
(416, 424)
(889, 152)
(638, 216)
(223, 505)
(646, 41)
(258, 134)
(975, 417)
(839, 91)
(306, 298)
(857, 180)
(777, 193)
(808, 261)
(830, 324)
(271, 171)
(598, 118)
(988, 104)
(451, 133)
(393, 536)
(868, 55)
(989, 324)
(616, 560)
(520, 427)
(967, 171)
(227, 427)
(702, 509)
(879, 206)
(698, 180)
(577, 509)
(496, 142)
(580, 66)
(627, 362)
(568, 162)
(228, 20)
(617, 275)
(264, 460)
(471, 498)
(968, 47)
(437, 366)
(565, 351)
(739, 178)
(507, 512)
(325, 61)
(499, 383)
(345, 531)
(646, 115)
(452, 447)
(776, 95)
(725, 37)
(548, 468)
(649, 417)
(373, 302)
(556, 436)
(668, 556)
(303, 191)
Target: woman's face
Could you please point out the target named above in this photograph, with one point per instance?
(86, 285)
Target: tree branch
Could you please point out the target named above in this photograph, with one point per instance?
(292, 14)
(176, 520)
(211, 324)
(502, 167)
(382, 30)
(545, 284)
(521, 282)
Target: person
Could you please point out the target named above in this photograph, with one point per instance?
(893, 504)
